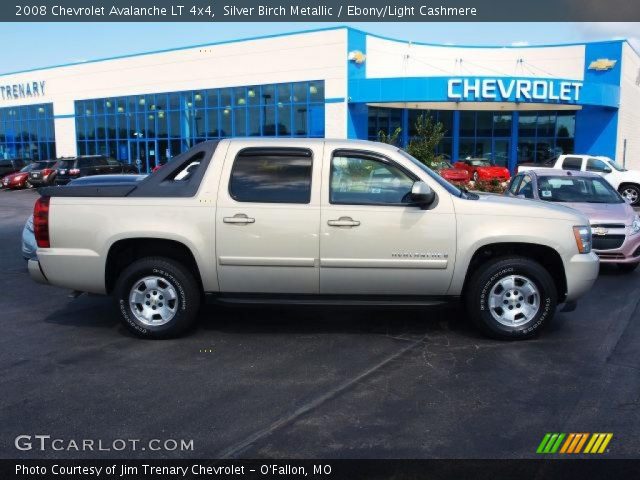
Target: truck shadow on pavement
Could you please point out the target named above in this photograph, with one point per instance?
(95, 312)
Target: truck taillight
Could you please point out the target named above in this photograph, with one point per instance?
(74, 171)
(41, 222)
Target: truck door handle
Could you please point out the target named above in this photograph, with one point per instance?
(239, 219)
(343, 222)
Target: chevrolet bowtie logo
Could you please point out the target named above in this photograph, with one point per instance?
(599, 231)
(602, 64)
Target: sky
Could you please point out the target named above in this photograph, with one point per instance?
(36, 45)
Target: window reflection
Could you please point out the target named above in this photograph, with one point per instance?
(124, 125)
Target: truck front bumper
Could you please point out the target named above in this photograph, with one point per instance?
(581, 272)
(36, 272)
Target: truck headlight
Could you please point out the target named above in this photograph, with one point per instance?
(635, 225)
(583, 238)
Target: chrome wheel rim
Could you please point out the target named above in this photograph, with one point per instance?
(630, 195)
(475, 176)
(514, 300)
(153, 301)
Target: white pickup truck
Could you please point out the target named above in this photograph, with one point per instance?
(627, 182)
(309, 221)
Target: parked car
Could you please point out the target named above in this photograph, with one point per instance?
(43, 173)
(615, 225)
(29, 245)
(627, 182)
(452, 174)
(305, 220)
(8, 167)
(483, 170)
(20, 179)
(68, 169)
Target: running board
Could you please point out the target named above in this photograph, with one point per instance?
(334, 301)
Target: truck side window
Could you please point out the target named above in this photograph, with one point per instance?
(188, 168)
(526, 187)
(572, 163)
(595, 165)
(515, 182)
(365, 181)
(272, 176)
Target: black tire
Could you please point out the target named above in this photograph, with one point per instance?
(631, 188)
(488, 276)
(627, 267)
(179, 277)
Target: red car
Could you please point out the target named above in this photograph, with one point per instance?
(452, 174)
(481, 169)
(20, 179)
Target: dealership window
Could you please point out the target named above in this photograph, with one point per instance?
(387, 120)
(485, 134)
(544, 135)
(162, 125)
(27, 132)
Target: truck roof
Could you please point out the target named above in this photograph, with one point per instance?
(556, 172)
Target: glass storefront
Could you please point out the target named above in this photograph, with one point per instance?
(538, 136)
(153, 128)
(27, 132)
(545, 135)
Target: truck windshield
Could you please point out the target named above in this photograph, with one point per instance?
(616, 165)
(577, 190)
(441, 181)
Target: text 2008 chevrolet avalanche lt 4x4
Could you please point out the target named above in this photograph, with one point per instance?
(304, 220)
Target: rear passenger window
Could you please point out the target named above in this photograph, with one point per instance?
(572, 163)
(279, 175)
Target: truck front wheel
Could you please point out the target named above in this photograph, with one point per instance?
(511, 298)
(631, 193)
(157, 297)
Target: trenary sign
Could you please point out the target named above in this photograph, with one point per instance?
(513, 90)
(22, 90)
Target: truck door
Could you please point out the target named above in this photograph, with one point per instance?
(268, 219)
(372, 240)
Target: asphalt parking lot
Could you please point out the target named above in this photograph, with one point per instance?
(310, 382)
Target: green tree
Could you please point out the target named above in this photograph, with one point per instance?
(429, 134)
(390, 138)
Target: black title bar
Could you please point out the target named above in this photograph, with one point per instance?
(319, 11)
(269, 469)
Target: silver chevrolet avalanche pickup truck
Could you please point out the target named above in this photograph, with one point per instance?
(309, 221)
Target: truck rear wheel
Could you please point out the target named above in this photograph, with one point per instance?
(157, 297)
(511, 298)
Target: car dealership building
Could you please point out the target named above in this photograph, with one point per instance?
(509, 104)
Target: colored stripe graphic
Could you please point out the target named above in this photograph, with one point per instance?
(598, 443)
(572, 443)
(543, 443)
(581, 443)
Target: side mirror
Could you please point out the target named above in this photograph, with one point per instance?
(422, 194)
(607, 170)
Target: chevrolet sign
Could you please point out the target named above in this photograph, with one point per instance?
(602, 64)
(514, 90)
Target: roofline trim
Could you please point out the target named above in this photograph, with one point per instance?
(302, 32)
